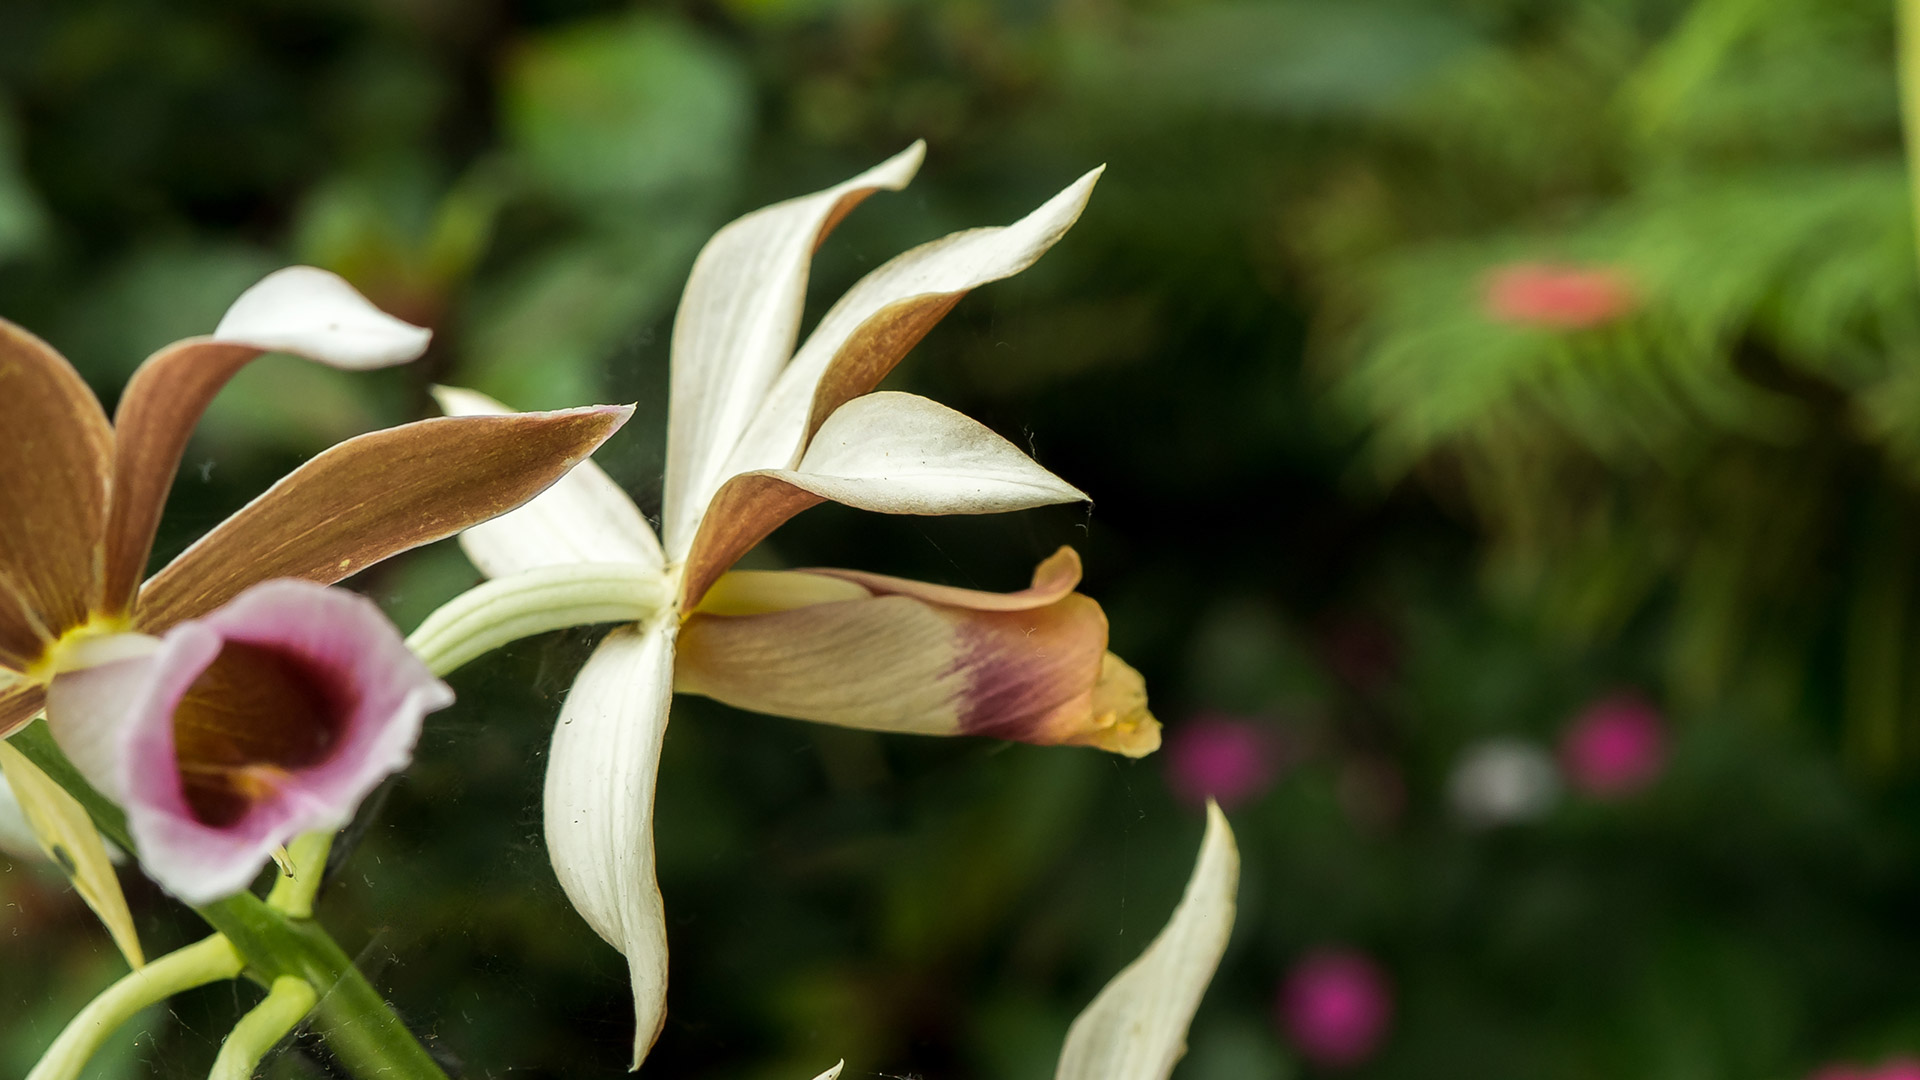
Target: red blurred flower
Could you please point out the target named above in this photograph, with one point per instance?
(1336, 1005)
(1228, 759)
(1557, 296)
(1616, 746)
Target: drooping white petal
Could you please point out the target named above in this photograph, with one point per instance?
(312, 313)
(888, 452)
(599, 806)
(863, 336)
(1136, 1029)
(735, 330)
(903, 454)
(583, 518)
(833, 1073)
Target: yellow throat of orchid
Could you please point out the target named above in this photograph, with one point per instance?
(102, 639)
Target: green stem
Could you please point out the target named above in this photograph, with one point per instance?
(196, 965)
(359, 1027)
(261, 1030)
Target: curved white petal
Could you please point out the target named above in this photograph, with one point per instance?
(583, 518)
(833, 1073)
(864, 335)
(888, 452)
(599, 806)
(904, 454)
(735, 330)
(1136, 1029)
(312, 313)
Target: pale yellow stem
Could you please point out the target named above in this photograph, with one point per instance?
(260, 1030)
(196, 965)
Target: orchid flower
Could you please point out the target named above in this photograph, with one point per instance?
(758, 432)
(270, 717)
(203, 732)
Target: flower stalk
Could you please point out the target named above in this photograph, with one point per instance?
(535, 601)
(287, 1000)
(210, 960)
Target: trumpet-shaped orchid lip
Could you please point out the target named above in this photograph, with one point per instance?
(347, 698)
(886, 654)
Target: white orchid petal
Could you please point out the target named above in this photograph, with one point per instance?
(736, 327)
(599, 806)
(583, 518)
(312, 313)
(903, 454)
(863, 336)
(887, 452)
(833, 1073)
(1136, 1029)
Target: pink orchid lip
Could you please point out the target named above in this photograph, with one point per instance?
(324, 652)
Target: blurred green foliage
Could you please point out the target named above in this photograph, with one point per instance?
(1333, 493)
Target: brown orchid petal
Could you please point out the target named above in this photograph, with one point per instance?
(19, 704)
(899, 663)
(375, 496)
(54, 460)
(745, 512)
(158, 410)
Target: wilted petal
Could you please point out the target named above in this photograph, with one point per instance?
(375, 496)
(583, 518)
(736, 326)
(1030, 667)
(19, 703)
(599, 807)
(863, 336)
(300, 310)
(67, 835)
(1136, 1029)
(55, 453)
(889, 452)
(271, 717)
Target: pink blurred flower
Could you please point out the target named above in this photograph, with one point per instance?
(1616, 746)
(1557, 296)
(1227, 759)
(270, 717)
(1336, 1005)
(1902, 1068)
